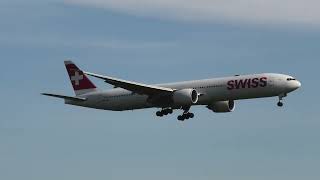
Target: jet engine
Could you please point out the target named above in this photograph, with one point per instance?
(185, 97)
(222, 106)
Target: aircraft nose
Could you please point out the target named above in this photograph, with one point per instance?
(296, 85)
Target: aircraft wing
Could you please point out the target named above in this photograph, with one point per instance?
(135, 87)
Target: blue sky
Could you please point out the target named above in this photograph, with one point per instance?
(41, 138)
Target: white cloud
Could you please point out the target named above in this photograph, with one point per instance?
(50, 41)
(132, 45)
(246, 11)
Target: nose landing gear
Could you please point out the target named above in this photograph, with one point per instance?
(281, 96)
(280, 104)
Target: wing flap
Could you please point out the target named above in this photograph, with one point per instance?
(135, 87)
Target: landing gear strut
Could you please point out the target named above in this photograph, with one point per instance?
(164, 112)
(281, 96)
(186, 114)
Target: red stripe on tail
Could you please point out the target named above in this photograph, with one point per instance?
(78, 79)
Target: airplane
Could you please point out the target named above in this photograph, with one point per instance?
(217, 94)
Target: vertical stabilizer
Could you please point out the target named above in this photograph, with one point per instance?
(80, 82)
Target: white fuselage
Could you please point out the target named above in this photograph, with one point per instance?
(211, 90)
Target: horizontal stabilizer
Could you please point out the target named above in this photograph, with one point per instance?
(65, 97)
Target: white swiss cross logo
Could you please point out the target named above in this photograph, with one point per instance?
(77, 78)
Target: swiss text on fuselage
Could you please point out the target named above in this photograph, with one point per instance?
(247, 83)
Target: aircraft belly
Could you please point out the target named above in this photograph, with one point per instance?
(125, 103)
(222, 94)
(248, 94)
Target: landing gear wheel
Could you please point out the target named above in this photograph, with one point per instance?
(180, 118)
(280, 104)
(159, 113)
(191, 115)
(164, 112)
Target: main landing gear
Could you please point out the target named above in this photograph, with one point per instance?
(186, 114)
(281, 96)
(164, 112)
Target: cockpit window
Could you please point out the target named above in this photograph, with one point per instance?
(291, 79)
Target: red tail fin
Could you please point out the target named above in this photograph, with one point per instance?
(80, 82)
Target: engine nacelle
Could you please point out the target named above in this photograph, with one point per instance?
(185, 97)
(222, 106)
